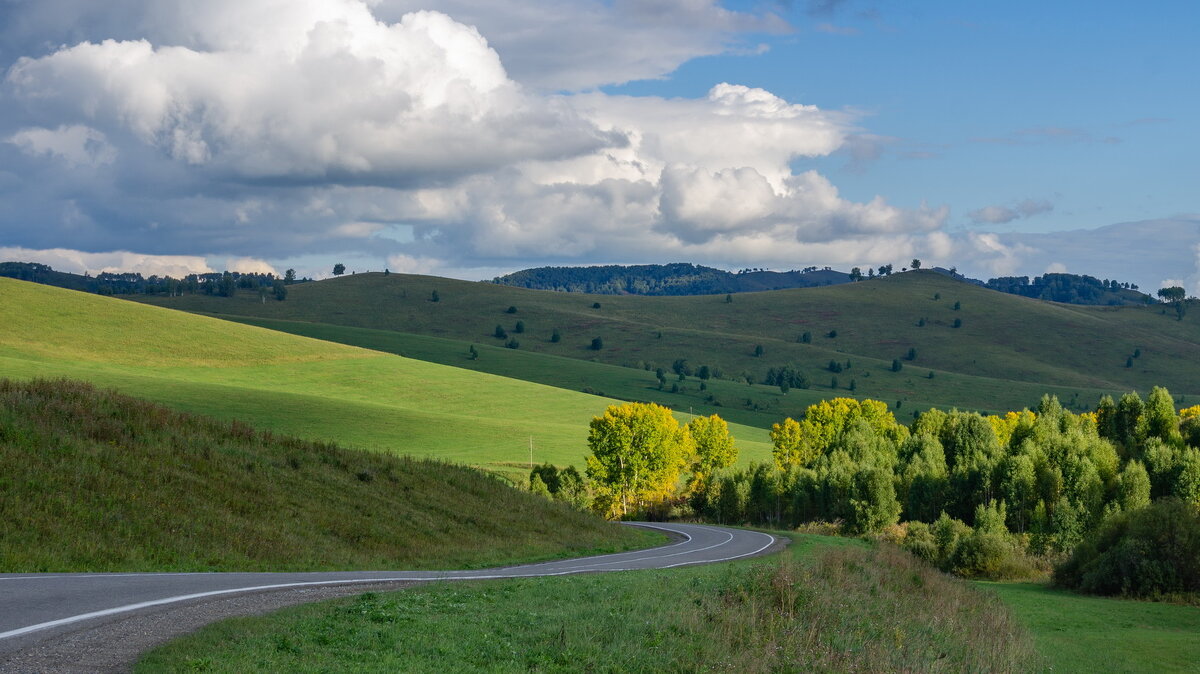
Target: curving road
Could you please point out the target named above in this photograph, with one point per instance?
(37, 608)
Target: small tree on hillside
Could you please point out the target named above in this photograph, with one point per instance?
(597, 344)
(915, 264)
(339, 269)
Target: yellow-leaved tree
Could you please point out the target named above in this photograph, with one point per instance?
(638, 453)
(714, 449)
(798, 443)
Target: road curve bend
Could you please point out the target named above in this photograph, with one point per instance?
(37, 608)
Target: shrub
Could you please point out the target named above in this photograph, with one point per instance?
(510, 310)
(1150, 552)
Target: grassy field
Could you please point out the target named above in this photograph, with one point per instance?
(97, 481)
(825, 606)
(304, 387)
(1007, 351)
(737, 401)
(1077, 633)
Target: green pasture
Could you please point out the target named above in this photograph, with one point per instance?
(300, 386)
(1079, 633)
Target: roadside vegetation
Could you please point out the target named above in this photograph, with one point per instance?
(829, 605)
(96, 481)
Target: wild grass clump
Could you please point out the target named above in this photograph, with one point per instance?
(860, 609)
(94, 480)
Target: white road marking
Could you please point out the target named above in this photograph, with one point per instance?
(386, 579)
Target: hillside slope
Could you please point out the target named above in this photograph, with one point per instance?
(97, 481)
(1005, 349)
(309, 388)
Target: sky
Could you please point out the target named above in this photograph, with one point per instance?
(471, 139)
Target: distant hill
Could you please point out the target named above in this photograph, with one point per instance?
(913, 339)
(679, 278)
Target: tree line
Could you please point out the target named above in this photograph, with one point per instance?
(971, 493)
(223, 284)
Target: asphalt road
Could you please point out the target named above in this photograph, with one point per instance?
(38, 608)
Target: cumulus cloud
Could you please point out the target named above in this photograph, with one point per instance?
(250, 265)
(333, 129)
(77, 145)
(79, 262)
(996, 215)
(341, 97)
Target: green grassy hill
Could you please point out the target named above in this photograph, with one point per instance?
(305, 387)
(1006, 352)
(98, 481)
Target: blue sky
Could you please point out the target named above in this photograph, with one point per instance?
(471, 139)
(1090, 106)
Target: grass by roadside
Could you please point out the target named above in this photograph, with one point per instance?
(1079, 633)
(826, 604)
(96, 481)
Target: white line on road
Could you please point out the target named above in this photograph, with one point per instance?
(410, 579)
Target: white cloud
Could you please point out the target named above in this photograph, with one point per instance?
(329, 95)
(79, 262)
(407, 264)
(250, 265)
(996, 215)
(77, 145)
(1056, 268)
(330, 126)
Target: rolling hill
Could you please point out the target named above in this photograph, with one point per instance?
(97, 481)
(304, 387)
(956, 344)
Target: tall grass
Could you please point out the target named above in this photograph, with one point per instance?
(860, 609)
(93, 480)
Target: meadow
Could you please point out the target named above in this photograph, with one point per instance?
(303, 387)
(1005, 353)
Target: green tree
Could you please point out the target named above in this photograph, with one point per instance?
(556, 336)
(500, 332)
(1159, 419)
(435, 297)
(806, 338)
(896, 365)
(1133, 487)
(280, 290)
(957, 323)
(510, 310)
(911, 355)
(597, 344)
(856, 274)
(473, 353)
(758, 351)
(728, 299)
(638, 453)
(339, 269)
(519, 327)
(873, 503)
(916, 264)
(714, 446)
(289, 276)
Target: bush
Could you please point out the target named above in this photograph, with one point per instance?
(1151, 552)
